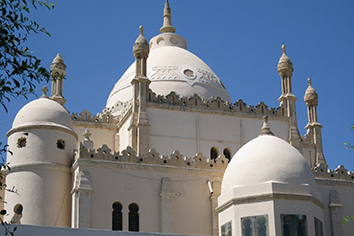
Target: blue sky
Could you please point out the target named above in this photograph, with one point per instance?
(239, 40)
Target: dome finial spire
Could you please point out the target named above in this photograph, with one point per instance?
(266, 128)
(167, 25)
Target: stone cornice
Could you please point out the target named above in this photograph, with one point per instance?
(38, 165)
(207, 173)
(43, 126)
(338, 176)
(269, 197)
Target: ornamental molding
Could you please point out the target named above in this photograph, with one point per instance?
(338, 176)
(151, 158)
(177, 102)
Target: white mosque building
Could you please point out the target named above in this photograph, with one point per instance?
(171, 154)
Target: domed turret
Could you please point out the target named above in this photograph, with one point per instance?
(284, 64)
(310, 97)
(264, 178)
(141, 47)
(42, 141)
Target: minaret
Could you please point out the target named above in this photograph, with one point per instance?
(313, 127)
(139, 128)
(58, 70)
(167, 24)
(287, 99)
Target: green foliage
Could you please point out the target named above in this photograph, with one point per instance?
(20, 70)
(347, 219)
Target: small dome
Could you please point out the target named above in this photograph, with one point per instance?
(43, 111)
(267, 159)
(284, 61)
(311, 97)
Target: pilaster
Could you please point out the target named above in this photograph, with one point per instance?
(336, 213)
(166, 196)
(81, 197)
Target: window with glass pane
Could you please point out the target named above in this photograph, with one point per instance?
(318, 227)
(294, 225)
(255, 225)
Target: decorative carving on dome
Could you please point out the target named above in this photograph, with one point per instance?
(123, 82)
(340, 173)
(152, 157)
(210, 78)
(164, 73)
(212, 104)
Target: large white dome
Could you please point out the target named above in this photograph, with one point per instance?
(171, 67)
(267, 159)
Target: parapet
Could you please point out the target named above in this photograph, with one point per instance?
(152, 157)
(340, 173)
(208, 105)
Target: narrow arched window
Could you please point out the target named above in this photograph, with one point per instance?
(133, 217)
(117, 216)
(227, 153)
(213, 153)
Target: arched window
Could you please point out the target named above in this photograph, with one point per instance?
(227, 153)
(213, 153)
(133, 217)
(117, 216)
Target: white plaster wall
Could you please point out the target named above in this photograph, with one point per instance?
(192, 207)
(346, 194)
(124, 135)
(98, 136)
(44, 195)
(176, 130)
(41, 146)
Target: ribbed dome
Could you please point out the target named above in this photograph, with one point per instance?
(311, 97)
(267, 158)
(285, 62)
(43, 111)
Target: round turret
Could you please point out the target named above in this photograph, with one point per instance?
(310, 97)
(42, 142)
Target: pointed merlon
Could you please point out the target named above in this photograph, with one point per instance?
(167, 25)
(266, 128)
(87, 134)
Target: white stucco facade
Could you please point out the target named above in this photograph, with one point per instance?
(171, 154)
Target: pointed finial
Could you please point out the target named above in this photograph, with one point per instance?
(283, 48)
(44, 90)
(167, 25)
(266, 128)
(141, 28)
(309, 80)
(87, 134)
